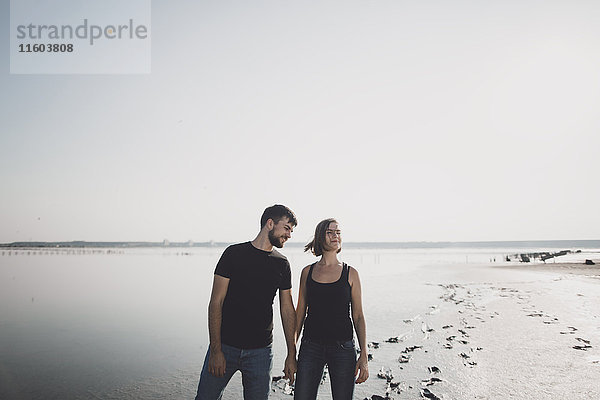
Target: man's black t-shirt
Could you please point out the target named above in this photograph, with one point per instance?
(254, 277)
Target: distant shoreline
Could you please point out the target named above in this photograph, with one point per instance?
(575, 268)
(526, 244)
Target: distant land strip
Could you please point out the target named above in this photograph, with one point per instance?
(563, 244)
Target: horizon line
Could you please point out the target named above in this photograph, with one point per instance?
(166, 243)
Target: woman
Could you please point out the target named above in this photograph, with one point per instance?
(328, 288)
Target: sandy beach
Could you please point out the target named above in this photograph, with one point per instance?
(512, 331)
(441, 323)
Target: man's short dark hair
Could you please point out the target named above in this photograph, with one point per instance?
(277, 212)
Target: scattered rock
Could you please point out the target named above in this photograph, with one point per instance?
(571, 330)
(426, 328)
(584, 347)
(284, 386)
(385, 374)
(426, 393)
(434, 370)
(535, 315)
(404, 358)
(430, 381)
(411, 349)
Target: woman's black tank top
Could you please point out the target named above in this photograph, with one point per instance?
(328, 319)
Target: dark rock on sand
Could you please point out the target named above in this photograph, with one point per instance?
(411, 349)
(571, 330)
(426, 328)
(378, 397)
(552, 321)
(589, 262)
(535, 315)
(426, 393)
(431, 381)
(584, 347)
(403, 358)
(434, 370)
(394, 385)
(385, 374)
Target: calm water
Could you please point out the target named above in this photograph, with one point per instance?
(132, 323)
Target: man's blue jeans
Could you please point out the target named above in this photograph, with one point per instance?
(255, 365)
(341, 362)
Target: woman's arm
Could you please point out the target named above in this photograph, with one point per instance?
(360, 326)
(301, 306)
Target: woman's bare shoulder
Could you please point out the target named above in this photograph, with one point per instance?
(352, 274)
(306, 269)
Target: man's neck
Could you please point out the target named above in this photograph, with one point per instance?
(262, 242)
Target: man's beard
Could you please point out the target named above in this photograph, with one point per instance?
(275, 241)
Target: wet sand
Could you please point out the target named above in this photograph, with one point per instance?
(565, 268)
(512, 331)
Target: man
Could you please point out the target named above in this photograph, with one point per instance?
(240, 312)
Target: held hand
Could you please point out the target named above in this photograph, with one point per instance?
(362, 366)
(216, 363)
(289, 368)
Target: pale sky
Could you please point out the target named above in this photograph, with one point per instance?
(406, 120)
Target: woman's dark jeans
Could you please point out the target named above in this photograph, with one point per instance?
(341, 363)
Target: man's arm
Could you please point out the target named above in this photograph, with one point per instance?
(216, 360)
(288, 320)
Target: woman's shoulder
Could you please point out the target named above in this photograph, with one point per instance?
(352, 274)
(306, 269)
(351, 269)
